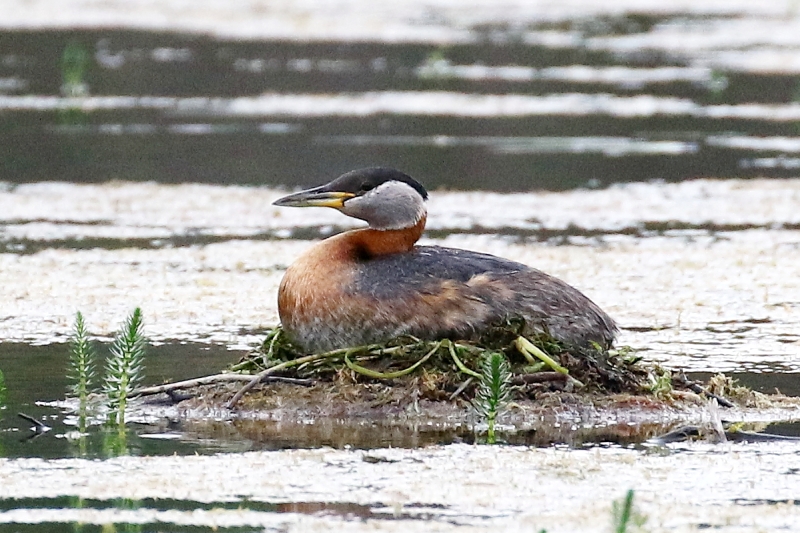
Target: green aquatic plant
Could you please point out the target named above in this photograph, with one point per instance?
(125, 366)
(76, 502)
(494, 390)
(115, 441)
(126, 504)
(717, 83)
(2, 391)
(624, 515)
(81, 371)
(75, 62)
(436, 66)
(659, 383)
(74, 65)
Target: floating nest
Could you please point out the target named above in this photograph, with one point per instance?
(525, 383)
(447, 370)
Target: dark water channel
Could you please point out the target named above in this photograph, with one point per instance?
(173, 108)
(36, 374)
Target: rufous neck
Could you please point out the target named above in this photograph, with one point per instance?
(370, 242)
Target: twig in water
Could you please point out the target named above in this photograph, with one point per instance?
(294, 381)
(539, 377)
(38, 427)
(215, 378)
(177, 397)
(697, 389)
(189, 383)
(277, 368)
(461, 388)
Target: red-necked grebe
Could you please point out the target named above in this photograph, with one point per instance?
(369, 285)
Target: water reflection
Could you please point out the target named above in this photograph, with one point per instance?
(242, 434)
(27, 390)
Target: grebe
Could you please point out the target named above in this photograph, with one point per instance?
(369, 285)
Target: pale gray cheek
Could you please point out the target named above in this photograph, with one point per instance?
(385, 210)
(354, 208)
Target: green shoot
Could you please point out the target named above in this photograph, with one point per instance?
(81, 368)
(2, 391)
(74, 64)
(624, 515)
(124, 366)
(115, 441)
(81, 361)
(452, 347)
(659, 382)
(388, 375)
(530, 350)
(494, 390)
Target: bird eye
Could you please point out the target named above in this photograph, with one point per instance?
(366, 186)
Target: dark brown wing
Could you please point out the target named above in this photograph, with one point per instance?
(443, 292)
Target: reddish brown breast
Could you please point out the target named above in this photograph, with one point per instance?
(311, 301)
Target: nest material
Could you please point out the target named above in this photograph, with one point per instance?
(441, 370)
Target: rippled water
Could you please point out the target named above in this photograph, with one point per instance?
(645, 153)
(451, 488)
(543, 98)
